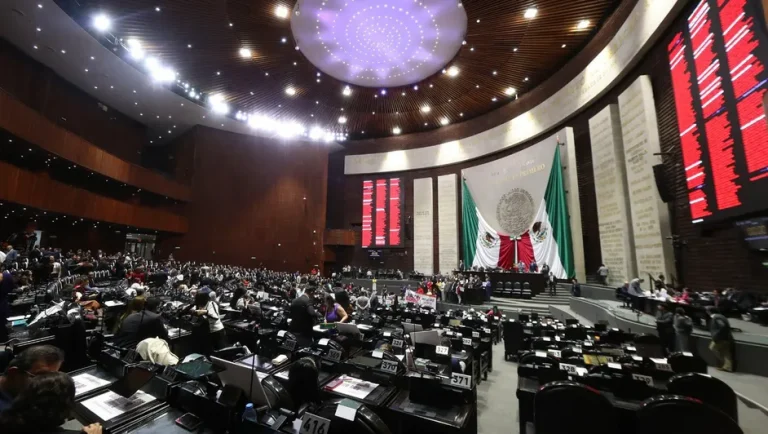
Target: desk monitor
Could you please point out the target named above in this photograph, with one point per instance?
(134, 379)
(431, 337)
(410, 327)
(244, 378)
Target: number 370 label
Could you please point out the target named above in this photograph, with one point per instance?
(313, 424)
(461, 380)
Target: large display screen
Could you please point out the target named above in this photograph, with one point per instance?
(719, 79)
(382, 213)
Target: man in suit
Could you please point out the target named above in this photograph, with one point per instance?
(303, 316)
(142, 325)
(664, 326)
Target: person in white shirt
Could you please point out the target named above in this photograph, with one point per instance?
(204, 306)
(55, 268)
(2, 257)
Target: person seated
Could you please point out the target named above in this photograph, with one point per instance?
(43, 406)
(31, 362)
(303, 383)
(685, 297)
(141, 325)
(135, 305)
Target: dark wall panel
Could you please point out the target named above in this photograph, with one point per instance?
(254, 197)
(715, 258)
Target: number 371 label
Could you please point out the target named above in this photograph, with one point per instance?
(313, 424)
(461, 380)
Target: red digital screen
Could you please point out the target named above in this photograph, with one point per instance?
(382, 213)
(719, 80)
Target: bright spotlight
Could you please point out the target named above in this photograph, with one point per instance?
(102, 23)
(396, 130)
(135, 48)
(245, 53)
(164, 74)
(531, 13)
(316, 133)
(152, 64)
(583, 24)
(290, 91)
(509, 91)
(328, 137)
(453, 71)
(426, 109)
(218, 105)
(444, 121)
(281, 11)
(347, 91)
(342, 120)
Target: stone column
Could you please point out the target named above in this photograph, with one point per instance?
(423, 226)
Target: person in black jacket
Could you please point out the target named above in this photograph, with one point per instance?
(303, 316)
(665, 328)
(142, 325)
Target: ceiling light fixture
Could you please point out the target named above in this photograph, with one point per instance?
(342, 120)
(347, 91)
(245, 53)
(102, 22)
(426, 109)
(281, 11)
(290, 91)
(453, 71)
(135, 48)
(583, 24)
(509, 91)
(531, 13)
(395, 131)
(515, 49)
(526, 79)
(218, 105)
(444, 121)
(383, 91)
(562, 46)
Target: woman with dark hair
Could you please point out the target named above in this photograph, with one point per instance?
(135, 305)
(238, 294)
(342, 298)
(334, 312)
(302, 383)
(43, 407)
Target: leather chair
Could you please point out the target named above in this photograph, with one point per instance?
(517, 290)
(526, 294)
(707, 389)
(513, 338)
(366, 421)
(507, 289)
(565, 407)
(675, 414)
(498, 289)
(649, 346)
(683, 364)
(534, 316)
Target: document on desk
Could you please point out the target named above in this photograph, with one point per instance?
(112, 303)
(87, 382)
(110, 405)
(353, 387)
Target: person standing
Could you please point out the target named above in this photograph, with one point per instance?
(576, 288)
(545, 269)
(683, 329)
(552, 283)
(303, 317)
(7, 285)
(487, 288)
(602, 273)
(722, 338)
(461, 265)
(664, 326)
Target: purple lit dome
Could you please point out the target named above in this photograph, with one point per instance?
(379, 43)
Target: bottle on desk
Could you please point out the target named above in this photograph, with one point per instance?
(250, 413)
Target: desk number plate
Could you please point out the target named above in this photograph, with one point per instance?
(389, 366)
(334, 355)
(487, 331)
(441, 350)
(644, 378)
(556, 353)
(467, 341)
(397, 343)
(408, 320)
(528, 332)
(570, 369)
(664, 367)
(476, 335)
(461, 380)
(312, 424)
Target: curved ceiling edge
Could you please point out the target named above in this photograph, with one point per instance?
(641, 29)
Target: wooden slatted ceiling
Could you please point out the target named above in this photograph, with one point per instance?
(258, 85)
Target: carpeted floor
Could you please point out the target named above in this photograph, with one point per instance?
(497, 403)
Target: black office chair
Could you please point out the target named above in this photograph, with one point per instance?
(366, 421)
(513, 338)
(277, 394)
(681, 363)
(708, 389)
(575, 333)
(526, 291)
(565, 407)
(517, 290)
(649, 346)
(675, 414)
(498, 289)
(523, 317)
(534, 316)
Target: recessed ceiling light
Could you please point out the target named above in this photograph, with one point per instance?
(477, 86)
(297, 48)
(93, 58)
(509, 91)
(281, 11)
(135, 48)
(426, 109)
(425, 124)
(230, 24)
(347, 91)
(102, 22)
(284, 40)
(39, 29)
(562, 46)
(189, 45)
(403, 94)
(526, 79)
(472, 49)
(515, 49)
(531, 13)
(342, 120)
(461, 114)
(493, 99)
(35, 47)
(463, 42)
(444, 121)
(218, 72)
(39, 6)
(495, 73)
(383, 91)
(157, 9)
(431, 85)
(95, 87)
(245, 53)
(453, 71)
(478, 21)
(583, 24)
(395, 130)
(318, 80)
(266, 74)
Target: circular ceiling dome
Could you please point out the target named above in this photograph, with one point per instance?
(379, 43)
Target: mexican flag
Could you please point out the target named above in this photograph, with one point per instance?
(548, 239)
